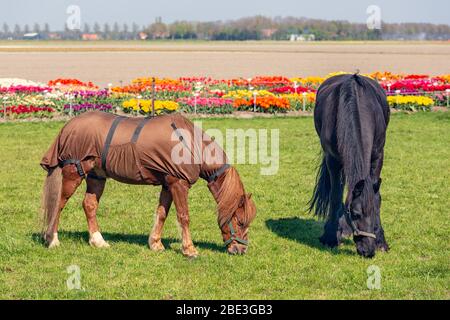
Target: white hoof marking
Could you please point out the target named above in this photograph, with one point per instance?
(54, 242)
(96, 240)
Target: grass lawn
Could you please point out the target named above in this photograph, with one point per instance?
(285, 259)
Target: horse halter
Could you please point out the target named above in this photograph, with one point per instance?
(234, 237)
(352, 224)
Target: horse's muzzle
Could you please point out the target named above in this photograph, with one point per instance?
(365, 247)
(237, 248)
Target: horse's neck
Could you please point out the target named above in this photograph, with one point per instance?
(233, 186)
(214, 188)
(214, 158)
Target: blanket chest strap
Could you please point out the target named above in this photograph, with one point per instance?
(108, 140)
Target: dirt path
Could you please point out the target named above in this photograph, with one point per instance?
(112, 63)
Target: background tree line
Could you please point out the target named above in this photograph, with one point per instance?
(250, 28)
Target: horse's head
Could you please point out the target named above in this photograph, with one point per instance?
(360, 213)
(236, 210)
(235, 231)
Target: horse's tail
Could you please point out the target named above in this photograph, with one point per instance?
(51, 197)
(348, 133)
(320, 201)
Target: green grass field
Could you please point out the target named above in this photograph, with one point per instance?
(285, 259)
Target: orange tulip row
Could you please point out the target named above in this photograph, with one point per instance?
(263, 103)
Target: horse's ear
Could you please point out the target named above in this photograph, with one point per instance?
(358, 189)
(242, 201)
(377, 185)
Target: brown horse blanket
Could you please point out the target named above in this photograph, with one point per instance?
(160, 143)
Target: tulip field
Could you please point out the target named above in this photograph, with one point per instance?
(261, 94)
(285, 259)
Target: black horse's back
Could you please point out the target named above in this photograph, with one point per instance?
(351, 117)
(347, 86)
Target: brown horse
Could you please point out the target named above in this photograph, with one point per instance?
(151, 151)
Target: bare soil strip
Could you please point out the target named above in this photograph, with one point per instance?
(111, 62)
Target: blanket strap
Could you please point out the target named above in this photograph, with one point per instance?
(139, 128)
(178, 133)
(217, 173)
(93, 175)
(77, 163)
(108, 140)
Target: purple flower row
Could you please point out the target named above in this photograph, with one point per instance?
(91, 94)
(87, 106)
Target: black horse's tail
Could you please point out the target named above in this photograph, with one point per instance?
(348, 131)
(320, 201)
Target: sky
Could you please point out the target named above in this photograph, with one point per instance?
(144, 12)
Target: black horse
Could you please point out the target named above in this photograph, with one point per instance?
(351, 117)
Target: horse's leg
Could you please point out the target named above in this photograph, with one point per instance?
(91, 200)
(331, 236)
(380, 242)
(165, 200)
(70, 183)
(179, 190)
(377, 165)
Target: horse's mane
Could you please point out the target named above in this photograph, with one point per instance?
(349, 134)
(230, 196)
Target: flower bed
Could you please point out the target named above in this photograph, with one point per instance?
(83, 107)
(206, 105)
(145, 106)
(305, 100)
(211, 96)
(71, 84)
(290, 89)
(19, 89)
(263, 104)
(241, 94)
(21, 111)
(410, 103)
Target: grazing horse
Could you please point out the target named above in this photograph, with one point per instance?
(351, 117)
(166, 150)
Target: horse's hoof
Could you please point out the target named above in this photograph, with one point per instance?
(384, 247)
(103, 244)
(190, 253)
(329, 242)
(53, 242)
(156, 246)
(96, 240)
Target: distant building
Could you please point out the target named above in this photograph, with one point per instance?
(54, 36)
(90, 36)
(143, 35)
(268, 33)
(160, 35)
(31, 36)
(302, 37)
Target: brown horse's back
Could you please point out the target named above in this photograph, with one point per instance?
(84, 137)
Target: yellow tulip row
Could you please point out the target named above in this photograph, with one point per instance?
(146, 105)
